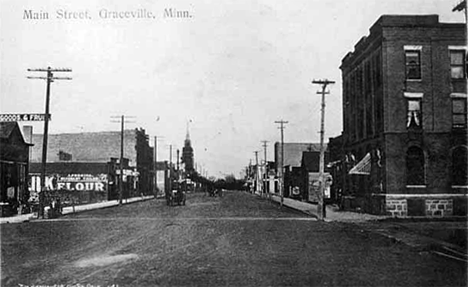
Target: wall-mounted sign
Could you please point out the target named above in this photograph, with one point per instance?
(22, 117)
(127, 172)
(73, 182)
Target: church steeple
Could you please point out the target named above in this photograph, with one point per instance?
(187, 137)
(187, 152)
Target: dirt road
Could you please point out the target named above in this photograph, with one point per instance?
(236, 240)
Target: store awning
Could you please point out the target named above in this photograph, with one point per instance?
(362, 167)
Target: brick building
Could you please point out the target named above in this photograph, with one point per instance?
(72, 151)
(404, 144)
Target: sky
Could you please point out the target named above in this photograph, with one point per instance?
(229, 69)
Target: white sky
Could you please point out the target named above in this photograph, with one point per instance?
(233, 69)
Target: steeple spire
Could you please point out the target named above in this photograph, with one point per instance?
(187, 137)
(187, 152)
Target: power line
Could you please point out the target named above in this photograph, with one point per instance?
(49, 78)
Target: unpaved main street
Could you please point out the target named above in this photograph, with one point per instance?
(235, 240)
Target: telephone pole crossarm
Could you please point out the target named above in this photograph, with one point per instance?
(50, 79)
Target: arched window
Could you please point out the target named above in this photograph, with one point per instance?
(459, 166)
(415, 166)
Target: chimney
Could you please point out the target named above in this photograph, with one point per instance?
(27, 134)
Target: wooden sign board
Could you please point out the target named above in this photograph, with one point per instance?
(22, 117)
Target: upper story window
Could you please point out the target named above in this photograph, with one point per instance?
(413, 64)
(457, 64)
(414, 113)
(459, 114)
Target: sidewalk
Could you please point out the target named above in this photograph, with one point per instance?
(78, 208)
(417, 233)
(332, 214)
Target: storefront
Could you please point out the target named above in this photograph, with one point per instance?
(14, 158)
(78, 183)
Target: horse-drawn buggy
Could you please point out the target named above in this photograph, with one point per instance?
(176, 196)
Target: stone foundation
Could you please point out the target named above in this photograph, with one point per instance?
(436, 207)
(411, 205)
(396, 207)
(439, 207)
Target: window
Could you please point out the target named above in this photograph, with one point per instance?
(459, 166)
(413, 64)
(415, 166)
(457, 64)
(414, 114)
(459, 119)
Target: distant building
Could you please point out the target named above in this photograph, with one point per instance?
(404, 144)
(293, 153)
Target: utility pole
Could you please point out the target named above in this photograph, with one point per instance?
(281, 169)
(155, 165)
(155, 153)
(178, 175)
(170, 168)
(321, 201)
(250, 171)
(49, 78)
(122, 127)
(256, 171)
(266, 165)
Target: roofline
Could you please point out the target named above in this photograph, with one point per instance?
(399, 20)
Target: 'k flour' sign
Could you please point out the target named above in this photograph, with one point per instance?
(71, 182)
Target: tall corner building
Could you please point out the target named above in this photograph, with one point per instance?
(404, 143)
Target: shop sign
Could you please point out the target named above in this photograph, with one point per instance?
(127, 172)
(314, 186)
(70, 182)
(22, 117)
